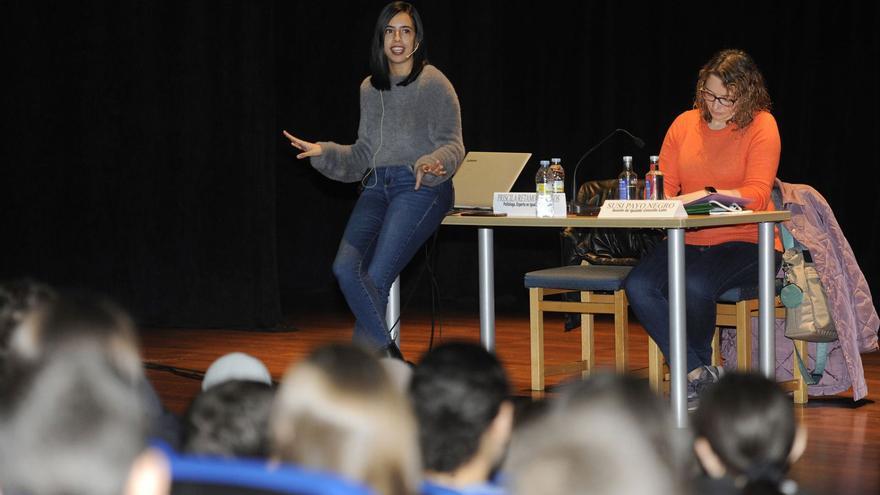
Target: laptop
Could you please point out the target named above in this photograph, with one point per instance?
(482, 174)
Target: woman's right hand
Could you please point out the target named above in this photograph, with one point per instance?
(308, 149)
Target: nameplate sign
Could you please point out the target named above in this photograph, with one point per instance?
(642, 208)
(523, 204)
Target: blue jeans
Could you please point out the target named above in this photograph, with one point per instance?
(709, 272)
(390, 222)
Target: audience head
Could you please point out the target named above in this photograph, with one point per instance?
(78, 321)
(745, 429)
(591, 445)
(634, 398)
(236, 366)
(338, 410)
(18, 298)
(460, 395)
(72, 425)
(230, 419)
(737, 73)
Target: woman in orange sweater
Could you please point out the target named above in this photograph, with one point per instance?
(729, 142)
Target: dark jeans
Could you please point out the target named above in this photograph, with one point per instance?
(390, 222)
(709, 272)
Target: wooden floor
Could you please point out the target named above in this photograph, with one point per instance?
(843, 455)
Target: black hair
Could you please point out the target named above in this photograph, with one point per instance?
(17, 299)
(230, 419)
(749, 423)
(457, 390)
(379, 62)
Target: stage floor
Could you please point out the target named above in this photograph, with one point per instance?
(843, 455)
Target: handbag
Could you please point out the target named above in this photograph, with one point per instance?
(807, 316)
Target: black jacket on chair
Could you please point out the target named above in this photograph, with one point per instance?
(604, 246)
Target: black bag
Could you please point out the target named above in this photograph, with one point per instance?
(619, 247)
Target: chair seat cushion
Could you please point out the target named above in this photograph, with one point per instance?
(737, 294)
(579, 277)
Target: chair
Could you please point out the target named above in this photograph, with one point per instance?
(217, 476)
(735, 309)
(598, 262)
(601, 292)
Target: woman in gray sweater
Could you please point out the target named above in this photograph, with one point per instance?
(408, 147)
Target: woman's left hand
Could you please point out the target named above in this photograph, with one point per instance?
(435, 168)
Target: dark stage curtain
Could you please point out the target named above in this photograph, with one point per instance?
(143, 157)
(140, 155)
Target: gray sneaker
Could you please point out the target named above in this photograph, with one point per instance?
(709, 375)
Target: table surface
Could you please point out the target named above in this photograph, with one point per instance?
(691, 221)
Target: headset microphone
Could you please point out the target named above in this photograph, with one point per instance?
(414, 50)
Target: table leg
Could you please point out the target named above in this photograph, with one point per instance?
(677, 328)
(392, 311)
(766, 295)
(486, 248)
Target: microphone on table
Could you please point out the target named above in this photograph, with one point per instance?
(579, 209)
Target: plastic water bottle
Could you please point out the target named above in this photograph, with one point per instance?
(654, 180)
(558, 175)
(544, 188)
(627, 180)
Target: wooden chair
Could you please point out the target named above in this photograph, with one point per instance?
(735, 309)
(601, 291)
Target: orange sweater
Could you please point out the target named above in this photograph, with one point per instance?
(694, 156)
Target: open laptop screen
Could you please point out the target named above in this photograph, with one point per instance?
(482, 174)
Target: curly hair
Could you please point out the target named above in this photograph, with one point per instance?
(743, 80)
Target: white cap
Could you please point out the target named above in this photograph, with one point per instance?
(556, 160)
(545, 162)
(236, 366)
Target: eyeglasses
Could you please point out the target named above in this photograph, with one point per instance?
(710, 97)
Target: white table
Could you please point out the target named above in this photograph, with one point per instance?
(675, 230)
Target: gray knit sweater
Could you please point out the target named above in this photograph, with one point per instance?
(422, 123)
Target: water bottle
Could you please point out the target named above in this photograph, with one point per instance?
(654, 180)
(544, 188)
(627, 180)
(558, 175)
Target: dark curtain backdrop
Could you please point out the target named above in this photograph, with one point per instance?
(143, 156)
(139, 155)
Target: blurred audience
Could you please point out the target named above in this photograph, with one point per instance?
(72, 417)
(17, 299)
(593, 445)
(230, 419)
(338, 410)
(77, 320)
(236, 366)
(746, 437)
(460, 394)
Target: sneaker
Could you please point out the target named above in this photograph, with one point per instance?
(709, 375)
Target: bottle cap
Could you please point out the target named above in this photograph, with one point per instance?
(557, 160)
(627, 158)
(654, 158)
(545, 163)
